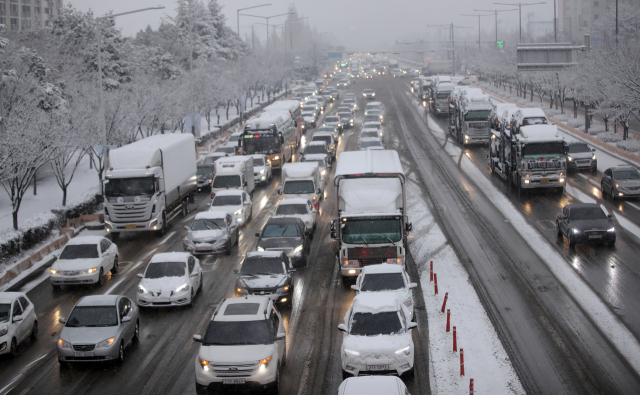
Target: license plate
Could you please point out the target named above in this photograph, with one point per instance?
(71, 279)
(84, 354)
(595, 237)
(232, 381)
(377, 367)
(202, 248)
(130, 227)
(544, 180)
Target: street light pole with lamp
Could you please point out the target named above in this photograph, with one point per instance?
(479, 16)
(267, 18)
(103, 125)
(520, 13)
(247, 8)
(496, 14)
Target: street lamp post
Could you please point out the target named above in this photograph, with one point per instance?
(267, 18)
(520, 13)
(247, 8)
(479, 16)
(496, 14)
(292, 21)
(101, 113)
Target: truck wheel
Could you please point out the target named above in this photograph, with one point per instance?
(192, 198)
(161, 232)
(613, 196)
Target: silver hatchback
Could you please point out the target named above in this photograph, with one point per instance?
(99, 328)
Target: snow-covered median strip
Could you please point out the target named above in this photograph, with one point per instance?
(485, 359)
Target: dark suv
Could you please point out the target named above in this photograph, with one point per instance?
(267, 273)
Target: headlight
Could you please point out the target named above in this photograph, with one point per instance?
(276, 157)
(238, 212)
(92, 270)
(574, 230)
(4, 329)
(63, 344)
(373, 94)
(182, 288)
(593, 157)
(106, 343)
(570, 159)
(53, 271)
(260, 249)
(141, 289)
(204, 364)
(298, 249)
(262, 171)
(264, 363)
(405, 350)
(611, 230)
(323, 172)
(348, 352)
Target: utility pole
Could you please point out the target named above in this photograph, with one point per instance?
(1, 108)
(520, 12)
(193, 128)
(479, 16)
(496, 15)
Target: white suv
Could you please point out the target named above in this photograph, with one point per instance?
(244, 344)
(387, 278)
(377, 336)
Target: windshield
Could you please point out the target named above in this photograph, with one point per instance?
(79, 251)
(211, 159)
(543, 150)
(331, 119)
(4, 312)
(274, 230)
(367, 91)
(258, 162)
(382, 282)
(130, 186)
(576, 148)
(478, 115)
(236, 333)
(204, 170)
(226, 201)
(535, 121)
(587, 213)
(372, 143)
(93, 316)
(165, 269)
(261, 145)
(308, 109)
(626, 175)
(208, 224)
(368, 134)
(369, 324)
(372, 126)
(262, 265)
(227, 182)
(226, 150)
(443, 95)
(315, 149)
(369, 118)
(234, 137)
(345, 115)
(298, 186)
(292, 209)
(371, 231)
(373, 108)
(322, 138)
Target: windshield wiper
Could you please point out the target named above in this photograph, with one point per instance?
(387, 237)
(363, 239)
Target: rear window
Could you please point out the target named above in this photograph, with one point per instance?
(242, 309)
(382, 282)
(322, 138)
(332, 119)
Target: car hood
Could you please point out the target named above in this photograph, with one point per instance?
(226, 209)
(581, 155)
(207, 236)
(381, 348)
(279, 242)
(588, 224)
(87, 335)
(240, 353)
(308, 118)
(263, 281)
(75, 264)
(306, 218)
(628, 183)
(163, 285)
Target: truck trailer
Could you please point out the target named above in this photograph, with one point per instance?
(234, 172)
(302, 180)
(372, 224)
(149, 182)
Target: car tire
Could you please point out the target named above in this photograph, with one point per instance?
(611, 243)
(114, 269)
(34, 331)
(346, 281)
(163, 230)
(55, 287)
(284, 356)
(228, 251)
(136, 332)
(559, 234)
(121, 353)
(275, 386)
(613, 196)
(14, 348)
(572, 243)
(190, 304)
(602, 189)
(201, 389)
(100, 282)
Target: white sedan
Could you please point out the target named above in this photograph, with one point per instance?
(370, 142)
(387, 278)
(84, 260)
(298, 208)
(233, 201)
(170, 279)
(18, 321)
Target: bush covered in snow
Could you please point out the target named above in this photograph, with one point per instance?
(87, 203)
(632, 145)
(609, 137)
(561, 117)
(576, 122)
(31, 233)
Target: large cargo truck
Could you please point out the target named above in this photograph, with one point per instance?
(149, 182)
(439, 101)
(530, 157)
(302, 180)
(234, 172)
(469, 118)
(372, 224)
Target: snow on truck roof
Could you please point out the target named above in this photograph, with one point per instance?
(382, 268)
(370, 195)
(368, 162)
(147, 153)
(275, 117)
(539, 133)
(289, 105)
(300, 169)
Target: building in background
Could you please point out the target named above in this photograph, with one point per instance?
(21, 15)
(577, 17)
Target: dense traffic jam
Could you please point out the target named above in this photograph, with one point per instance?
(151, 182)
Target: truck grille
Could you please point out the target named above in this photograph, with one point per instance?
(372, 255)
(239, 369)
(479, 125)
(544, 165)
(129, 212)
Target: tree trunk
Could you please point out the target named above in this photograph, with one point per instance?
(15, 220)
(606, 123)
(625, 129)
(35, 182)
(64, 195)
(575, 108)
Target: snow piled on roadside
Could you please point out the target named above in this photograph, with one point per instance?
(485, 359)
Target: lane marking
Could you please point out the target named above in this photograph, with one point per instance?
(594, 183)
(22, 372)
(582, 175)
(632, 205)
(108, 291)
(167, 238)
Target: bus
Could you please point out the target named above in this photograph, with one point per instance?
(272, 134)
(293, 106)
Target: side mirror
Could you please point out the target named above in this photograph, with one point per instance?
(291, 270)
(609, 216)
(62, 320)
(244, 184)
(197, 338)
(409, 226)
(139, 275)
(279, 191)
(257, 234)
(354, 287)
(413, 285)
(334, 235)
(318, 191)
(593, 150)
(342, 328)
(18, 318)
(281, 336)
(125, 319)
(236, 271)
(412, 325)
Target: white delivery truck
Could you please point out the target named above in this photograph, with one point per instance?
(233, 172)
(149, 182)
(372, 224)
(302, 180)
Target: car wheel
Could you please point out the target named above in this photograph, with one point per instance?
(275, 386)
(121, 353)
(284, 356)
(602, 189)
(558, 231)
(613, 196)
(55, 287)
(114, 269)
(612, 243)
(200, 283)
(14, 348)
(190, 304)
(163, 230)
(34, 331)
(100, 282)
(136, 332)
(346, 281)
(228, 248)
(572, 243)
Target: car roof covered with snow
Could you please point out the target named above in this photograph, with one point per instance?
(8, 297)
(382, 268)
(288, 202)
(265, 254)
(245, 308)
(211, 215)
(78, 240)
(98, 300)
(230, 192)
(532, 112)
(170, 257)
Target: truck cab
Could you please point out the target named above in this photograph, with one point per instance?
(233, 172)
(302, 180)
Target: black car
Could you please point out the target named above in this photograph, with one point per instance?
(266, 273)
(287, 235)
(580, 156)
(205, 176)
(585, 223)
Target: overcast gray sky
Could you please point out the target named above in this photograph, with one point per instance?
(360, 25)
